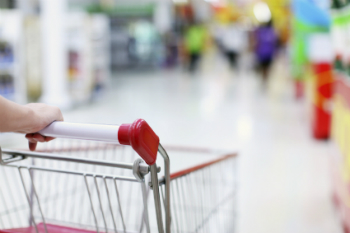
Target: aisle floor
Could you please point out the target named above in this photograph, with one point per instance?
(283, 174)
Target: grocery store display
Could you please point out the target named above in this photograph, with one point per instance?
(6, 65)
(340, 159)
(12, 81)
(24, 72)
(321, 56)
(312, 56)
(33, 56)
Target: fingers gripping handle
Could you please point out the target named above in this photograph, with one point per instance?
(139, 135)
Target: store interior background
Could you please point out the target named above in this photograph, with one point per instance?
(114, 61)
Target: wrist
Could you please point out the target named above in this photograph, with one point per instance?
(28, 118)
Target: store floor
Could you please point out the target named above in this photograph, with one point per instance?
(284, 179)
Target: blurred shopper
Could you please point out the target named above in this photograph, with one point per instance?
(195, 38)
(233, 43)
(171, 46)
(28, 119)
(265, 47)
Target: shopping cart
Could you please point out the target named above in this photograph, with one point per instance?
(78, 186)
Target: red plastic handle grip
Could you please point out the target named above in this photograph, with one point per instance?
(142, 139)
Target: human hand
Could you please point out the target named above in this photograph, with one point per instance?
(41, 115)
(34, 138)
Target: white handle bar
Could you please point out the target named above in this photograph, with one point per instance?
(139, 135)
(58, 129)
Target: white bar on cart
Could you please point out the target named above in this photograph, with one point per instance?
(106, 133)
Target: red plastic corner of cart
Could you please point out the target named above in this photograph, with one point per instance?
(142, 139)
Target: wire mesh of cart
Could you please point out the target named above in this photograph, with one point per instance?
(86, 185)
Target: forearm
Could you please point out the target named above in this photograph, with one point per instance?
(28, 119)
(14, 117)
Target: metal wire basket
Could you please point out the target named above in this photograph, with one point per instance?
(71, 185)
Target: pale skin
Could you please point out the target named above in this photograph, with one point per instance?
(28, 119)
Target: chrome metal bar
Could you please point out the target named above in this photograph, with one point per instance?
(64, 207)
(12, 159)
(74, 206)
(110, 206)
(121, 154)
(119, 204)
(211, 188)
(74, 200)
(129, 202)
(195, 200)
(31, 194)
(235, 202)
(162, 194)
(190, 194)
(48, 190)
(180, 205)
(185, 205)
(203, 194)
(6, 208)
(215, 210)
(217, 197)
(125, 178)
(82, 201)
(165, 156)
(57, 181)
(83, 197)
(4, 175)
(154, 178)
(92, 204)
(65, 158)
(28, 199)
(145, 209)
(175, 209)
(38, 200)
(100, 202)
(2, 223)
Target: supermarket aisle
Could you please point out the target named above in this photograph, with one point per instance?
(284, 183)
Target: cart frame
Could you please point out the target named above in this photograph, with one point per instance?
(139, 169)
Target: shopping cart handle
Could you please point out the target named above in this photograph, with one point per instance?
(138, 134)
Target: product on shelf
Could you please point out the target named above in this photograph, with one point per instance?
(33, 57)
(88, 55)
(340, 160)
(6, 70)
(6, 85)
(12, 81)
